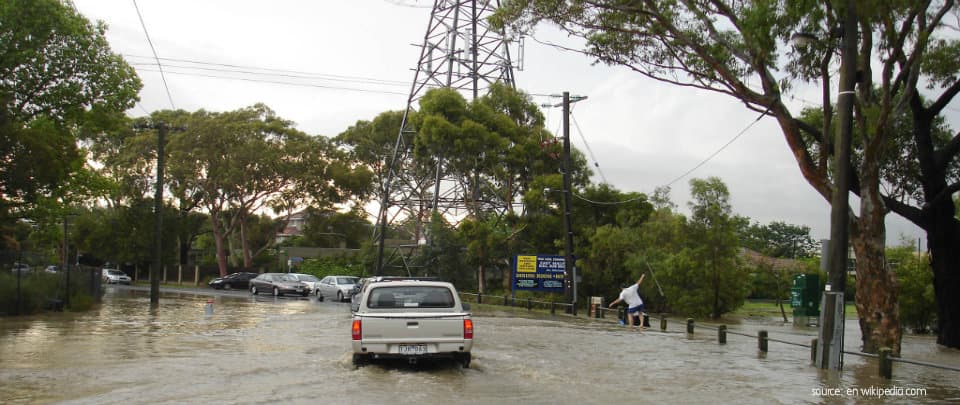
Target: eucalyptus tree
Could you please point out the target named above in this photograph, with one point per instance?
(239, 163)
(743, 50)
(59, 83)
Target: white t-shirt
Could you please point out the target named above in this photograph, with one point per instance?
(630, 296)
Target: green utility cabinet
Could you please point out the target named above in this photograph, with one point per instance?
(805, 296)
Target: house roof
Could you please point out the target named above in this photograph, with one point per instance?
(779, 264)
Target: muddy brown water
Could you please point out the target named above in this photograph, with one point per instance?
(296, 350)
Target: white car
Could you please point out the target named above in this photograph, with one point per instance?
(411, 320)
(20, 268)
(113, 276)
(339, 287)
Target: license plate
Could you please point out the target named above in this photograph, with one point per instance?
(413, 349)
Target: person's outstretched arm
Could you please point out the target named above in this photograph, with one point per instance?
(641, 278)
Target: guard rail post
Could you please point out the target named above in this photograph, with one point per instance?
(886, 363)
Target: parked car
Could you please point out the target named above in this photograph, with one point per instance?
(309, 280)
(339, 287)
(239, 280)
(114, 276)
(357, 292)
(278, 284)
(412, 320)
(21, 268)
(51, 269)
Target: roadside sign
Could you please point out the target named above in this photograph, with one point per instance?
(538, 273)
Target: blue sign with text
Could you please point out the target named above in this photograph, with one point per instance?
(538, 273)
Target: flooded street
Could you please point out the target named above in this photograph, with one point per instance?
(297, 350)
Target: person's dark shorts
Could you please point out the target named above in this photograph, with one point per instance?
(635, 314)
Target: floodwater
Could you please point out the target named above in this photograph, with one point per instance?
(296, 350)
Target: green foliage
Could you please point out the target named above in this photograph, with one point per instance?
(59, 83)
(917, 299)
(743, 49)
(36, 291)
(329, 228)
(237, 163)
(333, 266)
(777, 239)
(60, 63)
(445, 258)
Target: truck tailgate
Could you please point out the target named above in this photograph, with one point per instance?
(409, 327)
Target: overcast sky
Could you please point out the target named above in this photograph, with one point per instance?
(643, 133)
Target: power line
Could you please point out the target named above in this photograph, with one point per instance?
(144, 109)
(589, 150)
(280, 82)
(155, 56)
(402, 4)
(714, 154)
(281, 72)
(241, 72)
(640, 198)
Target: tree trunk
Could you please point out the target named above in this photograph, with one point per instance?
(877, 288)
(218, 236)
(245, 246)
(943, 238)
(480, 278)
(776, 277)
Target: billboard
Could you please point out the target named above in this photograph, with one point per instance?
(538, 273)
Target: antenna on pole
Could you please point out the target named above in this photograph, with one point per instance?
(461, 51)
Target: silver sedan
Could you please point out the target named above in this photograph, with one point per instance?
(339, 287)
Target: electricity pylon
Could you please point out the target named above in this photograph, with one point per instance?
(460, 51)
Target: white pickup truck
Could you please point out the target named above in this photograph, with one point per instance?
(412, 320)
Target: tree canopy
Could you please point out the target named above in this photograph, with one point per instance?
(59, 83)
(744, 50)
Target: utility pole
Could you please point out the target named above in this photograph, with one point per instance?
(66, 261)
(830, 352)
(156, 266)
(155, 269)
(570, 270)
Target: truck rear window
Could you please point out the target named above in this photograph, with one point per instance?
(410, 297)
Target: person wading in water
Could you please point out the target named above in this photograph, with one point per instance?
(631, 296)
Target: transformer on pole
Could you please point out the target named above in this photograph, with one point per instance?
(461, 51)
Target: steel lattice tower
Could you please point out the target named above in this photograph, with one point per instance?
(460, 51)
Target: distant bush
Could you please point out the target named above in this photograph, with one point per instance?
(37, 291)
(332, 266)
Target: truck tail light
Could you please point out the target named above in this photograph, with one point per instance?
(356, 329)
(467, 329)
